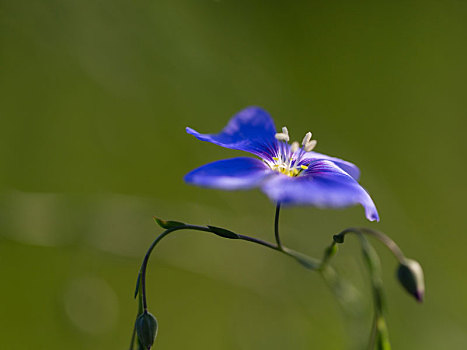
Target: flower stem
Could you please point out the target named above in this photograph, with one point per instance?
(142, 274)
(329, 252)
(141, 282)
(388, 242)
(276, 226)
(372, 342)
(133, 336)
(379, 335)
(340, 289)
(140, 311)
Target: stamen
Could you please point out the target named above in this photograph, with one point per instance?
(310, 145)
(306, 139)
(295, 146)
(288, 158)
(282, 137)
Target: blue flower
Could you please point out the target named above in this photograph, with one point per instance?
(289, 174)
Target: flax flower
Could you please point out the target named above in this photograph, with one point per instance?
(289, 174)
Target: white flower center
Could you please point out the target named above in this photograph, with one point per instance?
(288, 160)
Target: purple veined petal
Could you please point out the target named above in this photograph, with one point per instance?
(251, 130)
(348, 167)
(323, 185)
(230, 174)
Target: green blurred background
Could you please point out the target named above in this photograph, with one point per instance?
(94, 99)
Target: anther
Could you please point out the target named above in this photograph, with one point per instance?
(282, 137)
(295, 146)
(306, 139)
(310, 145)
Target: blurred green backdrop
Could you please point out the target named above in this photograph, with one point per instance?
(94, 99)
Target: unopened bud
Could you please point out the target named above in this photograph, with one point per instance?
(146, 328)
(410, 275)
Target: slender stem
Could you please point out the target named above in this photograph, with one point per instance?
(388, 242)
(326, 271)
(304, 260)
(140, 311)
(276, 226)
(133, 337)
(259, 241)
(328, 254)
(379, 333)
(379, 330)
(142, 273)
(372, 341)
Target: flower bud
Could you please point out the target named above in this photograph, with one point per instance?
(410, 275)
(146, 328)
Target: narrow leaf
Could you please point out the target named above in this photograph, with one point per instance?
(305, 261)
(223, 232)
(168, 224)
(138, 282)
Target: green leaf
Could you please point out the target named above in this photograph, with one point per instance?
(305, 261)
(382, 340)
(330, 252)
(371, 258)
(168, 224)
(138, 287)
(223, 232)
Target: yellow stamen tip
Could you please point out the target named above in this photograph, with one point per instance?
(304, 167)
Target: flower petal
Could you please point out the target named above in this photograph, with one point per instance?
(251, 130)
(230, 174)
(348, 167)
(324, 185)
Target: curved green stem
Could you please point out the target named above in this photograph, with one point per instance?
(133, 336)
(276, 226)
(372, 342)
(326, 271)
(142, 273)
(379, 335)
(328, 254)
(388, 242)
(304, 260)
(140, 311)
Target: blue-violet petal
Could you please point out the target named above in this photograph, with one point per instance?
(251, 130)
(230, 174)
(323, 185)
(348, 167)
